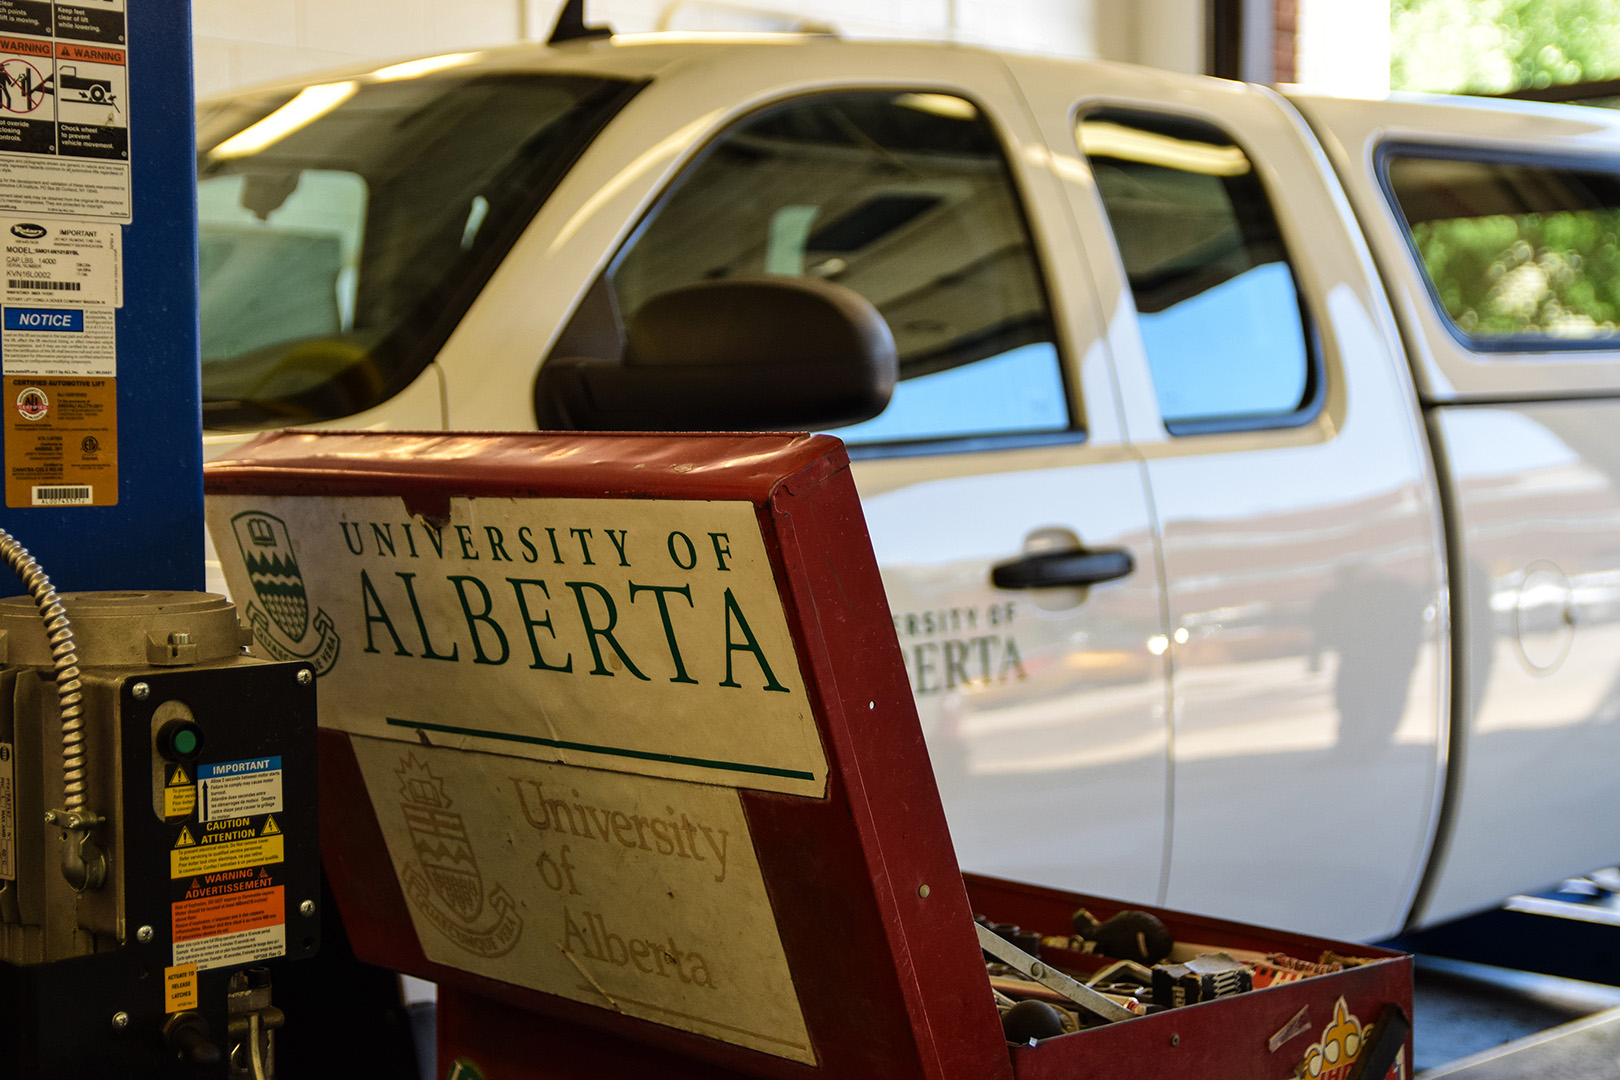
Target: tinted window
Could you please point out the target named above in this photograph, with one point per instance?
(344, 229)
(1216, 299)
(1518, 254)
(904, 198)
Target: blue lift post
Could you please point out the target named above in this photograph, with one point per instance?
(102, 448)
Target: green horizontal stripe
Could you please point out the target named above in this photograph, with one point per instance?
(612, 751)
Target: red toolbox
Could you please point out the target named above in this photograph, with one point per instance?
(617, 748)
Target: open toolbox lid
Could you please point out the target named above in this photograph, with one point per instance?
(617, 738)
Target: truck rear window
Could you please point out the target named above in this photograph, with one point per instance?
(1519, 253)
(345, 228)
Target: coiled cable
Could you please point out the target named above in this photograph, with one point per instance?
(65, 660)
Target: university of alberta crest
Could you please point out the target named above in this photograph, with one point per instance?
(443, 883)
(279, 611)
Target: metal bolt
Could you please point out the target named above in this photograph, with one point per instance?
(180, 637)
(1037, 970)
(120, 1020)
(143, 935)
(307, 908)
(50, 817)
(1175, 1040)
(141, 691)
(305, 677)
(923, 891)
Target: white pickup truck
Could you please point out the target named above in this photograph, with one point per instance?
(1289, 427)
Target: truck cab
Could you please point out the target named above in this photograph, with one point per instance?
(1213, 570)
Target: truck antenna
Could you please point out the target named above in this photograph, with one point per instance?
(571, 25)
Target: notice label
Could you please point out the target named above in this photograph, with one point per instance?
(230, 950)
(78, 342)
(237, 788)
(179, 988)
(54, 262)
(8, 814)
(61, 441)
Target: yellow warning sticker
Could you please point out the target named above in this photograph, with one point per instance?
(270, 826)
(180, 795)
(185, 839)
(179, 988)
(212, 858)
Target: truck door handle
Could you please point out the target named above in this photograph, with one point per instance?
(1053, 569)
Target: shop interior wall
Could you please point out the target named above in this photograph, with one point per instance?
(242, 42)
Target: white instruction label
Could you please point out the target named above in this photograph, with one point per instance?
(8, 815)
(73, 262)
(239, 788)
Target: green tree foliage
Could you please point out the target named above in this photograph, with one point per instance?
(1532, 275)
(1494, 46)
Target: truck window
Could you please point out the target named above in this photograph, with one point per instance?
(1219, 309)
(1519, 254)
(346, 228)
(903, 197)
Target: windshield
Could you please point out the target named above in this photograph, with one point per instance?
(345, 228)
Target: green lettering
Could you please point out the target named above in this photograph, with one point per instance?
(428, 651)
(592, 631)
(658, 592)
(749, 644)
(475, 618)
(530, 622)
(369, 601)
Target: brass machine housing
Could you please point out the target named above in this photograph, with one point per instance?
(101, 962)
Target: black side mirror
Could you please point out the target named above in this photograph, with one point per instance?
(776, 353)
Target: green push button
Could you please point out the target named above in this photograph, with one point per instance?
(179, 740)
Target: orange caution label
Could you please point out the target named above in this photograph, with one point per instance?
(180, 988)
(212, 916)
(231, 928)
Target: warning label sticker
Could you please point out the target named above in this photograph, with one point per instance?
(61, 441)
(236, 788)
(229, 918)
(180, 988)
(64, 109)
(192, 856)
(91, 115)
(179, 793)
(8, 814)
(102, 21)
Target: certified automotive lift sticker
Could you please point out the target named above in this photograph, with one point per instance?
(632, 893)
(61, 441)
(636, 635)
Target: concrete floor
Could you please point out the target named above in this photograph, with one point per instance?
(1462, 1010)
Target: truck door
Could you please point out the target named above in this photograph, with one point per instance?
(1301, 546)
(1042, 703)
